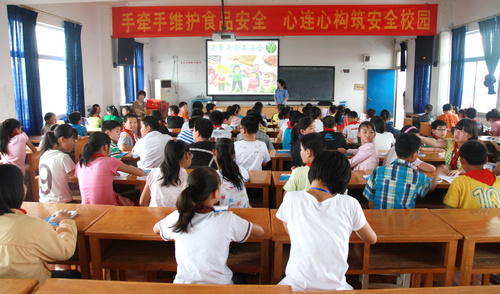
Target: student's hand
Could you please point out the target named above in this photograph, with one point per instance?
(441, 170)
(453, 173)
(60, 215)
(342, 150)
(496, 171)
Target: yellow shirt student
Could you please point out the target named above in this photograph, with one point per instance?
(467, 192)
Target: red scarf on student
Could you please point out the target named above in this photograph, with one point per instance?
(129, 133)
(174, 115)
(98, 155)
(483, 176)
(454, 159)
(14, 134)
(353, 123)
(328, 129)
(289, 125)
(200, 208)
(432, 135)
(309, 164)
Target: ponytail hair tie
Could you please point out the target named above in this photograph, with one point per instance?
(410, 128)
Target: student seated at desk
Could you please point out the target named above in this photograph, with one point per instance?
(75, 119)
(202, 237)
(161, 128)
(286, 129)
(438, 132)
(448, 116)
(183, 110)
(366, 156)
(187, 135)
(50, 119)
(150, 148)
(320, 222)
(28, 243)
(478, 187)
(13, 142)
(283, 116)
(165, 184)
(174, 121)
(428, 116)
(260, 135)
(232, 176)
(311, 145)
(219, 132)
(304, 126)
(128, 135)
(96, 170)
(112, 114)
(333, 140)
(350, 131)
(398, 185)
(202, 148)
(275, 118)
(94, 120)
(386, 115)
(383, 140)
(55, 165)
(251, 153)
(493, 117)
(316, 115)
(112, 128)
(226, 121)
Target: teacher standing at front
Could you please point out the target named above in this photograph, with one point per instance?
(281, 94)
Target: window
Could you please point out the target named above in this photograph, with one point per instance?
(475, 94)
(52, 66)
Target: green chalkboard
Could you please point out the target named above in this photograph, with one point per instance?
(304, 83)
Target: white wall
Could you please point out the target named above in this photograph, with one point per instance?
(343, 52)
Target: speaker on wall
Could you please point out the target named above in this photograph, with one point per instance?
(424, 50)
(125, 51)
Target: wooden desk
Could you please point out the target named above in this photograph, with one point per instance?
(128, 159)
(33, 160)
(427, 290)
(409, 241)
(488, 139)
(19, 286)
(277, 159)
(35, 139)
(481, 231)
(277, 143)
(131, 242)
(87, 216)
(175, 132)
(357, 182)
(260, 179)
(112, 287)
(432, 157)
(272, 132)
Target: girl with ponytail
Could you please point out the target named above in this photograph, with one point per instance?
(13, 142)
(202, 237)
(164, 184)
(112, 114)
(232, 176)
(56, 165)
(96, 170)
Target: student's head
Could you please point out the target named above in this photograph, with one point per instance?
(224, 156)
(174, 110)
(157, 114)
(329, 122)
(386, 115)
(193, 120)
(410, 129)
(439, 129)
(111, 109)
(126, 110)
(112, 128)
(216, 118)
(258, 106)
(465, 129)
(130, 122)
(8, 127)
(315, 112)
(256, 113)
(50, 118)
(141, 95)
(98, 143)
(226, 118)
(336, 179)
(353, 116)
(75, 118)
(339, 114)
(12, 188)
(407, 146)
(370, 112)
(295, 116)
(366, 132)
(333, 110)
(249, 124)
(307, 110)
(98, 108)
(310, 146)
(197, 112)
(203, 189)
(203, 129)
(176, 155)
(428, 108)
(280, 107)
(62, 137)
(379, 124)
(198, 105)
(461, 114)
(183, 106)
(446, 107)
(492, 116)
(305, 125)
(149, 124)
(210, 107)
(94, 110)
(471, 113)
(473, 153)
(284, 112)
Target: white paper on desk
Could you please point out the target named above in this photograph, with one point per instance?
(449, 179)
(122, 176)
(143, 178)
(489, 166)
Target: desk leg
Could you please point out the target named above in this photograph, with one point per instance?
(32, 171)
(467, 262)
(264, 261)
(449, 262)
(265, 197)
(280, 164)
(279, 197)
(273, 164)
(96, 255)
(84, 256)
(278, 262)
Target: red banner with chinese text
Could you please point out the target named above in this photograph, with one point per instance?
(310, 20)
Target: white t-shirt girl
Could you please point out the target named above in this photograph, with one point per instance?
(384, 141)
(53, 169)
(319, 234)
(163, 196)
(202, 252)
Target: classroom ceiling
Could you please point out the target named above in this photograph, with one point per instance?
(218, 2)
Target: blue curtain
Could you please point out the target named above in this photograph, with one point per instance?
(25, 73)
(139, 65)
(490, 33)
(74, 69)
(128, 72)
(403, 56)
(421, 87)
(457, 65)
